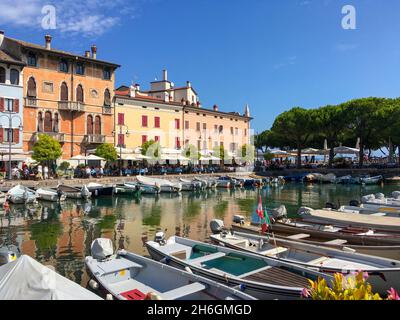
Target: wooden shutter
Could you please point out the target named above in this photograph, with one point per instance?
(144, 121)
(48, 122)
(79, 94)
(89, 125)
(31, 88)
(157, 122)
(121, 119)
(177, 124)
(121, 139)
(1, 135)
(16, 135)
(97, 125)
(64, 92)
(1, 104)
(156, 138)
(107, 98)
(16, 105)
(144, 139)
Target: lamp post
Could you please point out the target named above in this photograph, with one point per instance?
(10, 118)
(121, 126)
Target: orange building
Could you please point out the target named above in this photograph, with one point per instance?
(67, 96)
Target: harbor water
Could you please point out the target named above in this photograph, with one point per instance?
(61, 234)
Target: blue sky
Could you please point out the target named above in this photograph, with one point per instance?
(272, 54)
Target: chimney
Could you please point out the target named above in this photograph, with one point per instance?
(165, 75)
(215, 107)
(47, 37)
(87, 54)
(94, 52)
(133, 89)
(188, 84)
(1, 37)
(137, 86)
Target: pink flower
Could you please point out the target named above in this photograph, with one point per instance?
(365, 275)
(305, 293)
(393, 295)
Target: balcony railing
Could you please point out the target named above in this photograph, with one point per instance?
(95, 138)
(60, 137)
(107, 110)
(71, 106)
(31, 102)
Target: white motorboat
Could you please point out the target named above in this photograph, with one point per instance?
(383, 273)
(49, 195)
(163, 184)
(74, 192)
(128, 276)
(21, 195)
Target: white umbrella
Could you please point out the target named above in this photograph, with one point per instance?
(346, 150)
(93, 157)
(78, 158)
(129, 157)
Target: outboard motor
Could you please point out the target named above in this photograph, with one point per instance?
(238, 219)
(303, 211)
(396, 195)
(102, 249)
(367, 198)
(160, 238)
(354, 203)
(216, 226)
(379, 196)
(9, 254)
(330, 205)
(279, 213)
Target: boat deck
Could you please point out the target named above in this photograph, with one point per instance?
(278, 276)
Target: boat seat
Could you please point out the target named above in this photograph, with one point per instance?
(378, 214)
(116, 265)
(273, 252)
(336, 242)
(183, 291)
(299, 236)
(318, 261)
(208, 257)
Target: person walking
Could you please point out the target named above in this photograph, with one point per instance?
(46, 172)
(40, 172)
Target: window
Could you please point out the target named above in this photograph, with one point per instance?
(64, 67)
(157, 138)
(121, 139)
(48, 122)
(11, 105)
(204, 126)
(2, 75)
(89, 124)
(177, 143)
(144, 139)
(231, 130)
(144, 121)
(40, 122)
(107, 74)
(79, 93)
(32, 60)
(14, 77)
(198, 144)
(216, 128)
(177, 124)
(80, 69)
(56, 123)
(236, 131)
(31, 88)
(121, 119)
(221, 129)
(8, 135)
(64, 92)
(245, 132)
(197, 126)
(97, 125)
(107, 98)
(187, 124)
(156, 122)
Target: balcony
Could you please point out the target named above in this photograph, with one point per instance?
(60, 137)
(107, 110)
(71, 106)
(95, 138)
(31, 102)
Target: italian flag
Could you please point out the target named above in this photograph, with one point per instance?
(263, 214)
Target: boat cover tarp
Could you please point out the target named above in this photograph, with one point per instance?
(27, 279)
(102, 248)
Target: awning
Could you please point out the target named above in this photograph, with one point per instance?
(93, 157)
(129, 157)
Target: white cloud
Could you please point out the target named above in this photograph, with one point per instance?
(288, 62)
(88, 18)
(345, 47)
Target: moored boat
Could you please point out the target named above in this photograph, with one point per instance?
(128, 276)
(260, 277)
(371, 180)
(163, 184)
(74, 192)
(99, 190)
(49, 195)
(128, 189)
(21, 195)
(383, 273)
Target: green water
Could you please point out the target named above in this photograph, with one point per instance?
(61, 235)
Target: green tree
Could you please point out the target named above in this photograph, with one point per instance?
(247, 152)
(219, 152)
(191, 152)
(46, 149)
(107, 151)
(152, 149)
(294, 129)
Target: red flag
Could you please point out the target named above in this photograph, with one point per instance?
(259, 210)
(264, 228)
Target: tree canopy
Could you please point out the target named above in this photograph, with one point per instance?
(46, 149)
(107, 151)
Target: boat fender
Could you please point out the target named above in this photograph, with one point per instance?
(109, 297)
(242, 287)
(165, 260)
(187, 269)
(93, 284)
